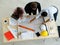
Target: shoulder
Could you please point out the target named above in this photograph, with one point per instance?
(28, 4)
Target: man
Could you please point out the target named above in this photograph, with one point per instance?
(32, 8)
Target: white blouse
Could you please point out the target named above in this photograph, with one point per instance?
(50, 10)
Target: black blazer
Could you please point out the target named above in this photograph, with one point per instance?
(29, 10)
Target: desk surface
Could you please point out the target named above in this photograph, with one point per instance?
(52, 29)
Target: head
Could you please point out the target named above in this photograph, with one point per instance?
(44, 14)
(17, 13)
(34, 5)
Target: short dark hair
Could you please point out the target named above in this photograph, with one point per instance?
(44, 14)
(17, 13)
(33, 5)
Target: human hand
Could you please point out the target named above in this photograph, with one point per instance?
(28, 16)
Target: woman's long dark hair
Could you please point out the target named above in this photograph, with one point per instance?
(17, 13)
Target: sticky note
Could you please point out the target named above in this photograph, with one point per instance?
(8, 35)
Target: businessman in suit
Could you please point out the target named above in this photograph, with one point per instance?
(32, 7)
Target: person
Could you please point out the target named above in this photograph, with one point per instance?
(32, 7)
(18, 13)
(13, 21)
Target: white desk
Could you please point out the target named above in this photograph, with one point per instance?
(34, 25)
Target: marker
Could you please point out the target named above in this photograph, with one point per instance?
(26, 28)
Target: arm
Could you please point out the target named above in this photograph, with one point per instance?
(46, 21)
(39, 7)
(34, 18)
(51, 16)
(27, 7)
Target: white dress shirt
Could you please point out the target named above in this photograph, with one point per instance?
(50, 10)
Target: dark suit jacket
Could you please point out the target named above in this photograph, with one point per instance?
(29, 10)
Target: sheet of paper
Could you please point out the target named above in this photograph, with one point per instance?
(13, 31)
(12, 21)
(27, 35)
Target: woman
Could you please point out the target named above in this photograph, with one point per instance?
(13, 21)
